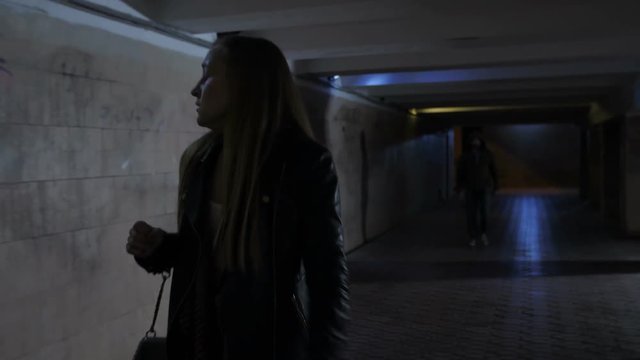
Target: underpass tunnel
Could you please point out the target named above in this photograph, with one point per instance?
(96, 112)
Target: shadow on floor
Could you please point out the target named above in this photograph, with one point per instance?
(396, 271)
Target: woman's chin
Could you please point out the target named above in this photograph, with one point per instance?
(203, 121)
(208, 123)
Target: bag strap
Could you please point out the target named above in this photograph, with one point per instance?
(152, 332)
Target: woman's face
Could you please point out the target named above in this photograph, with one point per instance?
(211, 92)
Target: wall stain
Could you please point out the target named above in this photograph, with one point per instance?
(3, 67)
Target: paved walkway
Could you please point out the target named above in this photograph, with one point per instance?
(552, 285)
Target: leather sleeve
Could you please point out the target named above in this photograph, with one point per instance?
(325, 262)
(162, 259)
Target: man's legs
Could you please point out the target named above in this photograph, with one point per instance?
(472, 203)
(483, 210)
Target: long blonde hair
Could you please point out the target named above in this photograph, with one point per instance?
(263, 101)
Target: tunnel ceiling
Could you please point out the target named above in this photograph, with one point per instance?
(424, 53)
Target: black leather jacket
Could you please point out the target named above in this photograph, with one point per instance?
(301, 223)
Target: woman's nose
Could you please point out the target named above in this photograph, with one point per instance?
(196, 91)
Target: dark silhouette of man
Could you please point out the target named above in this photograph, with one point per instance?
(477, 177)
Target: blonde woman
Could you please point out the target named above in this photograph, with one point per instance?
(259, 270)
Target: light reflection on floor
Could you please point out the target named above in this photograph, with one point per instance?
(529, 220)
(552, 284)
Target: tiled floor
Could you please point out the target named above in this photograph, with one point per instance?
(553, 284)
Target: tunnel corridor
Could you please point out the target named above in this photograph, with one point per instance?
(553, 283)
(97, 108)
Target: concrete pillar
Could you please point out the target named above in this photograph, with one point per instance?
(451, 162)
(630, 193)
(631, 173)
(584, 162)
(612, 170)
(595, 155)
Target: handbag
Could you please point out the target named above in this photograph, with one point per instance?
(152, 347)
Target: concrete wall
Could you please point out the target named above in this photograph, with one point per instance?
(536, 156)
(91, 129)
(631, 174)
(630, 194)
(387, 171)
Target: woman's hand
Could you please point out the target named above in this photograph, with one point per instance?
(144, 239)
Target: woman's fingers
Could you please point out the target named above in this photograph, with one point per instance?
(134, 249)
(143, 239)
(142, 228)
(138, 245)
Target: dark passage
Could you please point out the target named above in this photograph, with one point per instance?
(552, 284)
